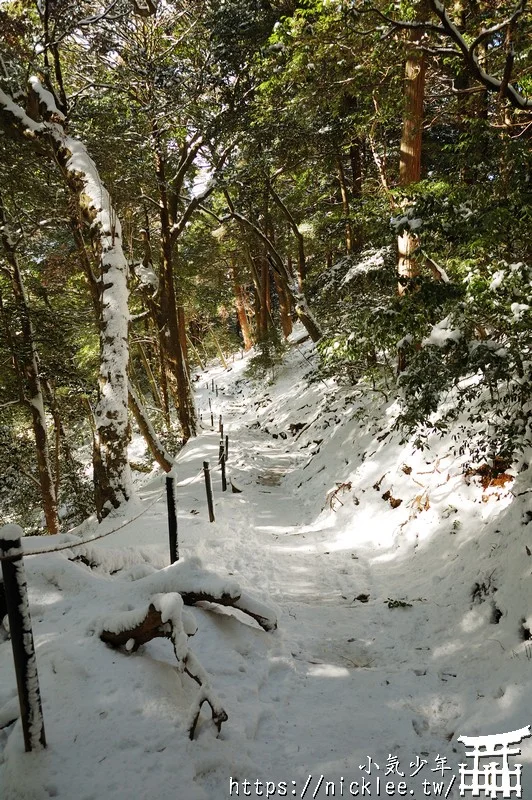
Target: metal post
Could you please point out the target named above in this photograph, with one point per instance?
(224, 479)
(212, 420)
(221, 426)
(18, 612)
(216, 391)
(212, 385)
(172, 518)
(226, 447)
(208, 489)
(220, 451)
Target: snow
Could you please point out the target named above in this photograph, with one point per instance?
(497, 280)
(399, 630)
(11, 533)
(442, 333)
(366, 262)
(19, 113)
(147, 276)
(518, 309)
(112, 407)
(46, 97)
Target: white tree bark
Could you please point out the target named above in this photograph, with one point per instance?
(82, 177)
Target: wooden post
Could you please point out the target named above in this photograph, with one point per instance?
(220, 451)
(216, 391)
(221, 426)
(172, 518)
(3, 607)
(208, 489)
(212, 420)
(226, 446)
(212, 385)
(224, 479)
(18, 612)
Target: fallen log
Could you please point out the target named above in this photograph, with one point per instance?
(197, 585)
(164, 618)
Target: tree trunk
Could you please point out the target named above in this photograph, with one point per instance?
(158, 452)
(257, 293)
(241, 307)
(290, 285)
(345, 206)
(301, 257)
(62, 439)
(284, 299)
(168, 310)
(182, 324)
(33, 395)
(355, 156)
(265, 296)
(84, 183)
(154, 389)
(410, 153)
(412, 135)
(284, 306)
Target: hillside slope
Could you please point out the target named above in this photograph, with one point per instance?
(401, 587)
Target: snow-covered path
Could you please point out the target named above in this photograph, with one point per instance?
(380, 652)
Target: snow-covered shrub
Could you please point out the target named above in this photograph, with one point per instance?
(478, 358)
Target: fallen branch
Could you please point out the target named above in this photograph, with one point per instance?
(162, 596)
(197, 585)
(165, 618)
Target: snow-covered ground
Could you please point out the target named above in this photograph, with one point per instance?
(401, 587)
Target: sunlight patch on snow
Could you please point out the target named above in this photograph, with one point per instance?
(448, 649)
(327, 671)
(511, 697)
(472, 621)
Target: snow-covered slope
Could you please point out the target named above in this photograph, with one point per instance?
(401, 587)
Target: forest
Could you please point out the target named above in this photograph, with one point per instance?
(306, 224)
(183, 180)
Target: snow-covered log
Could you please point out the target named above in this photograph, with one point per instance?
(165, 617)
(188, 578)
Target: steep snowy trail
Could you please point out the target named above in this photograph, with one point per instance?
(337, 665)
(399, 624)
(399, 675)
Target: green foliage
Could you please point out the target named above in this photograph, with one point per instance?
(296, 109)
(271, 350)
(356, 298)
(479, 358)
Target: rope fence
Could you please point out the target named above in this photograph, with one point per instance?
(14, 594)
(71, 545)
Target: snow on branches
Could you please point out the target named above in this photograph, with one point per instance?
(83, 180)
(158, 611)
